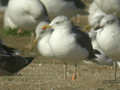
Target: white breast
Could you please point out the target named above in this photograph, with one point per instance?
(65, 46)
(109, 39)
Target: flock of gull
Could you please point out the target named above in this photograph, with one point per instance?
(58, 38)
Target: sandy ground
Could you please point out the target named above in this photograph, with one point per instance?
(48, 74)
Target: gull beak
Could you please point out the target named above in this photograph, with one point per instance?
(87, 28)
(47, 26)
(34, 43)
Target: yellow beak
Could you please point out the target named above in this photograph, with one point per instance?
(87, 28)
(34, 43)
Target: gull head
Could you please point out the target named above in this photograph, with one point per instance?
(96, 18)
(109, 19)
(60, 21)
(40, 31)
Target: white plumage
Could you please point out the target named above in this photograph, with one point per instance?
(109, 6)
(62, 41)
(101, 58)
(43, 38)
(24, 14)
(109, 36)
(65, 42)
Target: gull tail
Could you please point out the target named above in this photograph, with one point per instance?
(103, 60)
(100, 58)
(92, 54)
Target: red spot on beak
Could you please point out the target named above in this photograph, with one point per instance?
(44, 27)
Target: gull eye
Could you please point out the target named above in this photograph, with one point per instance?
(42, 32)
(57, 22)
(110, 22)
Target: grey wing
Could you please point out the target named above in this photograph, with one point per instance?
(83, 40)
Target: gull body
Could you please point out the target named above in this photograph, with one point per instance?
(24, 14)
(108, 37)
(65, 41)
(102, 59)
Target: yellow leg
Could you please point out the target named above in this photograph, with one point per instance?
(74, 76)
(65, 71)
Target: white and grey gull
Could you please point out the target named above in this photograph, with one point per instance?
(108, 37)
(62, 40)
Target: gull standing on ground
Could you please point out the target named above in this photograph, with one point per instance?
(68, 8)
(108, 37)
(24, 14)
(62, 40)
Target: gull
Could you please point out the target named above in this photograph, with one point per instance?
(24, 14)
(62, 40)
(11, 62)
(109, 6)
(108, 37)
(102, 58)
(94, 18)
(68, 8)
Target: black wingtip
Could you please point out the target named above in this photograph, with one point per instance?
(29, 60)
(14, 64)
(92, 55)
